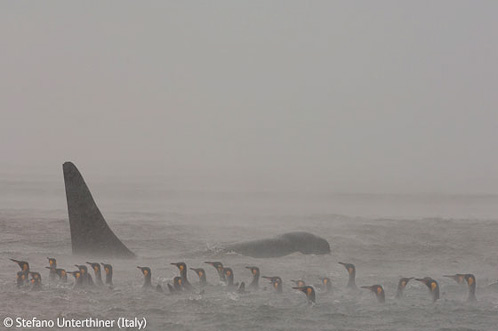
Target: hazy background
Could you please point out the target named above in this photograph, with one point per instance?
(373, 124)
(340, 96)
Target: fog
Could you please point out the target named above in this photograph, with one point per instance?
(373, 97)
(202, 124)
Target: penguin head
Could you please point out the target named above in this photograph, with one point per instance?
(181, 266)
(52, 262)
(377, 289)
(327, 283)
(432, 285)
(471, 280)
(83, 269)
(21, 277)
(177, 282)
(424, 280)
(107, 268)
(61, 273)
(217, 265)
(76, 274)
(299, 283)
(459, 278)
(22, 264)
(349, 267)
(379, 292)
(429, 282)
(254, 271)
(308, 291)
(228, 272)
(275, 281)
(403, 282)
(199, 271)
(145, 271)
(35, 277)
(95, 267)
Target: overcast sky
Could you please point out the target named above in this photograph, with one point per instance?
(344, 96)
